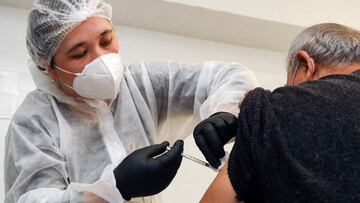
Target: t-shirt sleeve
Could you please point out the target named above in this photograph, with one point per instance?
(247, 151)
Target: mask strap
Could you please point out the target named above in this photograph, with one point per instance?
(66, 71)
(69, 86)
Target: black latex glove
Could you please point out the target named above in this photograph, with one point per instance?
(140, 175)
(213, 133)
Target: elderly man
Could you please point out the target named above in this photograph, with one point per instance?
(301, 142)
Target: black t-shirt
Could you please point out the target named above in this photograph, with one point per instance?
(299, 143)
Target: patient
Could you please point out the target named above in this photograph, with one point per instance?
(301, 142)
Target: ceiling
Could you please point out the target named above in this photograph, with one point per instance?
(196, 22)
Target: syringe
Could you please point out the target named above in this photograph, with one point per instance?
(191, 158)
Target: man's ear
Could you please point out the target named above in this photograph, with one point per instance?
(308, 63)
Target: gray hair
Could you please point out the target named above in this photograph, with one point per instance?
(329, 44)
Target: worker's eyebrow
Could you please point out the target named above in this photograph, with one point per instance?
(106, 32)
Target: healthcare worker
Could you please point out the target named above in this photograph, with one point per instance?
(89, 132)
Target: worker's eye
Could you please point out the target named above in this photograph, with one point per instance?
(106, 42)
(79, 55)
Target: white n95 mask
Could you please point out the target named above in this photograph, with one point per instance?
(100, 79)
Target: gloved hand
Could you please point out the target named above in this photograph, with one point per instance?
(140, 174)
(213, 133)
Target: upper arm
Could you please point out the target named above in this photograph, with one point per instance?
(220, 190)
(180, 95)
(225, 84)
(192, 89)
(31, 161)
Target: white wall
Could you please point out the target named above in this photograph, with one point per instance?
(302, 13)
(136, 45)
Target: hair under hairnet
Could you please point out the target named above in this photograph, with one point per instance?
(50, 21)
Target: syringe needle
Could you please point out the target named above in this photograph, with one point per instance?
(191, 158)
(196, 160)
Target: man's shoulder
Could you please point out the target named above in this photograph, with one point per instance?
(326, 87)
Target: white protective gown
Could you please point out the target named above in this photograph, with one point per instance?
(53, 154)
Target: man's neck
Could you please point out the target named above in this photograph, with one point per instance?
(343, 70)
